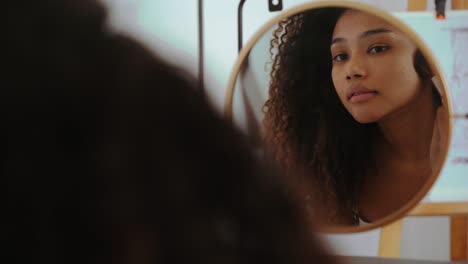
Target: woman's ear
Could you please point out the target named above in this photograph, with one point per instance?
(438, 85)
(422, 66)
(439, 93)
(427, 76)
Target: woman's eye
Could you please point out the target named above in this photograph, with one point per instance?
(378, 49)
(340, 57)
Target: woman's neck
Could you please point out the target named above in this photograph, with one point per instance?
(407, 134)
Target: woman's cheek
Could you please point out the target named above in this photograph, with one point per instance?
(337, 84)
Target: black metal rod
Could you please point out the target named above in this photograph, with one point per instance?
(239, 25)
(201, 79)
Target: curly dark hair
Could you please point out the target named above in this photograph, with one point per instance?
(307, 128)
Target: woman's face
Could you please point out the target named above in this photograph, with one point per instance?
(372, 70)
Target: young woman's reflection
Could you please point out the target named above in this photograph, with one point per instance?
(353, 107)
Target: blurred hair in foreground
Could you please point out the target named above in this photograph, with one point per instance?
(109, 155)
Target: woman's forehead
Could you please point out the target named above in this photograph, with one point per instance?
(354, 22)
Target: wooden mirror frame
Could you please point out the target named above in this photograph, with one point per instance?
(243, 55)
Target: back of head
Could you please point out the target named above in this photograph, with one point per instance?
(110, 155)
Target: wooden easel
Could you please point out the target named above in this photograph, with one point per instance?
(390, 236)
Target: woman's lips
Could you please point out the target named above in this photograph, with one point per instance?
(358, 93)
(362, 96)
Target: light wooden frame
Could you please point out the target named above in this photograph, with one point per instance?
(243, 55)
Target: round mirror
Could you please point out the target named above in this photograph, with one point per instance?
(353, 107)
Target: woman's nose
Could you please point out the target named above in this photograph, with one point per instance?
(356, 69)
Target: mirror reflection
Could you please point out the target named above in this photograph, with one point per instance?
(353, 109)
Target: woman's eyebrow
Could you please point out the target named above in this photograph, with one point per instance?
(374, 31)
(364, 34)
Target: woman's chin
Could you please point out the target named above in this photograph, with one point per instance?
(365, 118)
